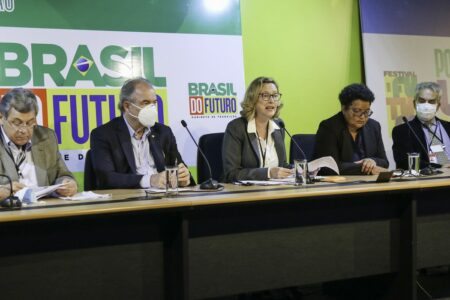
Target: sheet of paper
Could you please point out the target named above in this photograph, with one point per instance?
(32, 194)
(183, 189)
(87, 196)
(42, 191)
(326, 161)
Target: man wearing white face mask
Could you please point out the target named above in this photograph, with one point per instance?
(131, 151)
(432, 131)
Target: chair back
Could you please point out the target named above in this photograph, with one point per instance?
(90, 180)
(306, 142)
(211, 145)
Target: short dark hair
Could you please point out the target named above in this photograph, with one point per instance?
(22, 100)
(355, 91)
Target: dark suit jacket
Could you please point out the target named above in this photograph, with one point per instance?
(334, 139)
(405, 141)
(240, 152)
(112, 153)
(49, 165)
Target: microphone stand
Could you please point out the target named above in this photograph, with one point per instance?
(309, 180)
(11, 201)
(209, 184)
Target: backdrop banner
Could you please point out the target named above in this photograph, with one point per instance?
(75, 55)
(404, 42)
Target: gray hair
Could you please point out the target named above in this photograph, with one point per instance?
(22, 100)
(433, 86)
(128, 89)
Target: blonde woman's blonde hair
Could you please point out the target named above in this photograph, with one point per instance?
(252, 95)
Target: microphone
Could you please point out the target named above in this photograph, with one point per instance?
(281, 124)
(11, 201)
(209, 184)
(429, 170)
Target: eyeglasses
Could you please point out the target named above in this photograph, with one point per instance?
(361, 113)
(266, 97)
(431, 101)
(17, 125)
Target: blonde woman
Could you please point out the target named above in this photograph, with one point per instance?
(253, 146)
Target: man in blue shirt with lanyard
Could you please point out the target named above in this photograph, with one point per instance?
(432, 132)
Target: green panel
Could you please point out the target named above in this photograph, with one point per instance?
(312, 49)
(174, 16)
(193, 171)
(79, 177)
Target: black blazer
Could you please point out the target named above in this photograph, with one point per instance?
(113, 158)
(405, 141)
(240, 152)
(334, 139)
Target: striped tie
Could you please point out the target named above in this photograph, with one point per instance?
(20, 158)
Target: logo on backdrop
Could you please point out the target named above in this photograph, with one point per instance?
(212, 100)
(21, 65)
(399, 90)
(442, 68)
(73, 111)
(7, 6)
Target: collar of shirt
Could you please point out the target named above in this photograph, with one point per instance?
(11, 144)
(270, 159)
(434, 122)
(251, 127)
(132, 132)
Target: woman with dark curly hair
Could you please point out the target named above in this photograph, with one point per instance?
(253, 145)
(351, 137)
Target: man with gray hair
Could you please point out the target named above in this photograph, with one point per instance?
(29, 153)
(131, 151)
(433, 133)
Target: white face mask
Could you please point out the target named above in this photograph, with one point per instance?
(426, 111)
(147, 115)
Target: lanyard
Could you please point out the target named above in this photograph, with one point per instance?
(20, 158)
(433, 134)
(263, 153)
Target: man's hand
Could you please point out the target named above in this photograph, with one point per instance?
(158, 180)
(68, 189)
(17, 186)
(184, 178)
(5, 190)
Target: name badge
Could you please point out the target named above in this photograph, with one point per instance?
(432, 157)
(437, 148)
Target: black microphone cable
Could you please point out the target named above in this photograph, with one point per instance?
(281, 124)
(11, 201)
(209, 184)
(429, 170)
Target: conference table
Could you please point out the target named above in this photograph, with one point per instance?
(243, 238)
